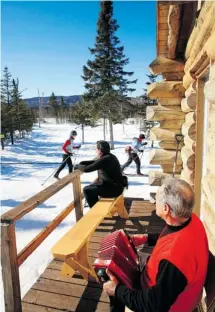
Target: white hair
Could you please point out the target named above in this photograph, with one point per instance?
(178, 195)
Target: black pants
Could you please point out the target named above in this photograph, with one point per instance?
(132, 157)
(116, 305)
(107, 190)
(66, 160)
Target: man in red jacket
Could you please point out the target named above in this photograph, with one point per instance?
(67, 153)
(173, 277)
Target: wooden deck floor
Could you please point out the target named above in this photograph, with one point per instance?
(53, 292)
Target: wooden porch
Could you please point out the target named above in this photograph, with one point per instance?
(53, 292)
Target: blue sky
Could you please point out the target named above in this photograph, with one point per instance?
(45, 44)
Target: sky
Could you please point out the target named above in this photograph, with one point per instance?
(45, 43)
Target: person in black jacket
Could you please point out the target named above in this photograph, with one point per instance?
(110, 182)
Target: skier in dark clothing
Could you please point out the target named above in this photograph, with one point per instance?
(133, 150)
(67, 153)
(110, 177)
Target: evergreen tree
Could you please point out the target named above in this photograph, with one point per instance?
(15, 114)
(6, 115)
(54, 105)
(148, 101)
(22, 115)
(15, 106)
(105, 79)
(84, 114)
(64, 110)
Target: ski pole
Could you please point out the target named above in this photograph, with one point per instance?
(75, 158)
(54, 171)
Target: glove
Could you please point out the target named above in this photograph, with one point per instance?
(76, 146)
(145, 143)
(70, 154)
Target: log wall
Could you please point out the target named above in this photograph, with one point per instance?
(180, 105)
(169, 94)
(188, 106)
(200, 59)
(208, 181)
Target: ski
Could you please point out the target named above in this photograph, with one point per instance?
(134, 175)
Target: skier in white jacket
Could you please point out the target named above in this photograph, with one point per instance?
(132, 150)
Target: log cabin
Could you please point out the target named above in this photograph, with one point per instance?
(185, 59)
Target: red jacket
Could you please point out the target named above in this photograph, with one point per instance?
(187, 249)
(68, 146)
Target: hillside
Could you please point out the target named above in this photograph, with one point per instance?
(69, 100)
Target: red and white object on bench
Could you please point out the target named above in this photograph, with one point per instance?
(118, 255)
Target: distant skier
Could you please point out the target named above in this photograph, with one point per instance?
(132, 150)
(67, 153)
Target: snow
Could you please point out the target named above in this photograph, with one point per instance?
(42, 152)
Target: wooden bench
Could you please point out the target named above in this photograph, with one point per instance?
(72, 248)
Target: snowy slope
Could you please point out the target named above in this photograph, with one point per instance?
(21, 181)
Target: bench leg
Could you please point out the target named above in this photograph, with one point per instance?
(81, 263)
(119, 207)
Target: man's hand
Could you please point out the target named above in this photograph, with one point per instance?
(110, 286)
(80, 167)
(139, 239)
(70, 154)
(144, 143)
(75, 167)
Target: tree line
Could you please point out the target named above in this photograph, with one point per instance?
(108, 89)
(15, 113)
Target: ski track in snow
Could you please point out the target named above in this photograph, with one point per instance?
(20, 182)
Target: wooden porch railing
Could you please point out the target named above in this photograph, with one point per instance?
(9, 257)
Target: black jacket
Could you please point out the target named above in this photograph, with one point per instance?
(108, 167)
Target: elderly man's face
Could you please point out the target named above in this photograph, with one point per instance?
(159, 204)
(162, 210)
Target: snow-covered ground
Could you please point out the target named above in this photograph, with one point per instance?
(21, 181)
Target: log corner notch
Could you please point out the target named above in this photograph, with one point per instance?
(169, 69)
(166, 89)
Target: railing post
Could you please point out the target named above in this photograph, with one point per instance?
(10, 272)
(77, 198)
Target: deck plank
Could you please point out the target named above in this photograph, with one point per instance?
(69, 289)
(54, 292)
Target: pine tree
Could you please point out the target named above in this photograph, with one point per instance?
(22, 115)
(15, 109)
(105, 79)
(6, 116)
(55, 106)
(84, 114)
(64, 110)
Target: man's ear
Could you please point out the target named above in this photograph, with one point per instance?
(166, 209)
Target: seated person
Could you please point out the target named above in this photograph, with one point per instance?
(110, 176)
(173, 277)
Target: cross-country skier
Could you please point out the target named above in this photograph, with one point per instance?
(132, 150)
(67, 153)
